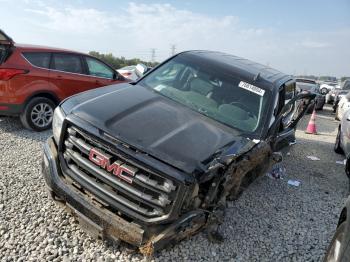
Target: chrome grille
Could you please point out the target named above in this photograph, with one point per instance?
(150, 194)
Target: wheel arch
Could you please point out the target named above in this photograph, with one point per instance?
(47, 94)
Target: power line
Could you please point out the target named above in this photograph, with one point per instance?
(172, 49)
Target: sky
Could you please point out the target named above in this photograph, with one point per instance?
(295, 37)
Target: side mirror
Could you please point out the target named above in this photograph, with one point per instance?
(117, 76)
(294, 114)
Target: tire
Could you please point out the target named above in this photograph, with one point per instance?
(347, 169)
(324, 91)
(338, 244)
(337, 145)
(38, 114)
(310, 109)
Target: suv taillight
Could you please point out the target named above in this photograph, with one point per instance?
(8, 73)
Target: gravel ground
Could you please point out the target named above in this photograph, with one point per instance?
(271, 221)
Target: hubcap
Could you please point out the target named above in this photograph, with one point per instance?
(41, 115)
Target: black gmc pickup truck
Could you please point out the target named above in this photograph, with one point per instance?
(154, 161)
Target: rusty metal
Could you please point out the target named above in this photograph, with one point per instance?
(184, 227)
(236, 172)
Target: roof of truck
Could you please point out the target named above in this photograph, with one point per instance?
(243, 66)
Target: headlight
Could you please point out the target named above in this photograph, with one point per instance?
(57, 122)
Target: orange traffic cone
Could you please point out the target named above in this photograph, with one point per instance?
(311, 127)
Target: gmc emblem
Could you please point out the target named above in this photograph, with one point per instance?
(117, 168)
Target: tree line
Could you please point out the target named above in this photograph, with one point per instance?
(119, 62)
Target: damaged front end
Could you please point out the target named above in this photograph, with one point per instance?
(224, 179)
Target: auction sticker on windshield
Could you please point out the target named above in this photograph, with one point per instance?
(251, 88)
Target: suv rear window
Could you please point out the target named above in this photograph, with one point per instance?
(67, 63)
(38, 59)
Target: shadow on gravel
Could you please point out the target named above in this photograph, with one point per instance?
(13, 125)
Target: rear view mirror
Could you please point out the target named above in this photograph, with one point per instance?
(117, 76)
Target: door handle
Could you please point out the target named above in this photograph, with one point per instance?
(98, 82)
(59, 76)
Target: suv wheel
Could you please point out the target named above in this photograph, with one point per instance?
(324, 91)
(38, 114)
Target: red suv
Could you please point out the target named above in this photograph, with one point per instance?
(34, 79)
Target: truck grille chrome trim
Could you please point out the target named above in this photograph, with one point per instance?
(149, 194)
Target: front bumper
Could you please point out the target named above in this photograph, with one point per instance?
(104, 224)
(100, 223)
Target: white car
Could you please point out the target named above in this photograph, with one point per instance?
(343, 106)
(133, 72)
(325, 87)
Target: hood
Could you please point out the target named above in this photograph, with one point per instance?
(154, 124)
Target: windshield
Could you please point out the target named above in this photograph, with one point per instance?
(211, 92)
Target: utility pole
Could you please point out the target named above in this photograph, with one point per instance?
(153, 55)
(173, 49)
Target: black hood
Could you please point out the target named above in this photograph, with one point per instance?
(154, 124)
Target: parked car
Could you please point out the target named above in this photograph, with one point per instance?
(307, 85)
(342, 141)
(342, 106)
(34, 79)
(331, 95)
(339, 248)
(128, 72)
(340, 93)
(325, 87)
(133, 72)
(162, 155)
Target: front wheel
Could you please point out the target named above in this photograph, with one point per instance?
(38, 114)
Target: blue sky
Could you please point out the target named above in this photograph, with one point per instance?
(296, 37)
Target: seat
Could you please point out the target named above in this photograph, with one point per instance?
(231, 111)
(201, 87)
(237, 117)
